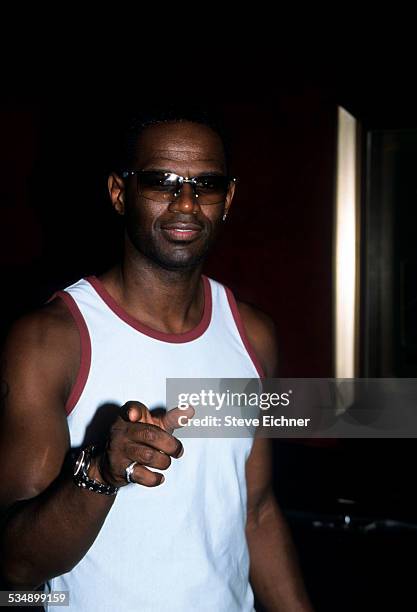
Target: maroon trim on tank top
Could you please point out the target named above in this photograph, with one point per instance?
(192, 334)
(241, 329)
(85, 360)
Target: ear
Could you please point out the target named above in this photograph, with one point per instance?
(229, 197)
(116, 187)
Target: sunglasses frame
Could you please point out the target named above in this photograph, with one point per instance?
(179, 180)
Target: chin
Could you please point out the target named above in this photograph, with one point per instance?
(170, 257)
(177, 256)
(186, 263)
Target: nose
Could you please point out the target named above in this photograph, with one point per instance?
(186, 201)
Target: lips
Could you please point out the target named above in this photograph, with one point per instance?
(181, 232)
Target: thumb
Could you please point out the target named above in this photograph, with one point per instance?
(134, 411)
(172, 419)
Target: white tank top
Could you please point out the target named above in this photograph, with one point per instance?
(180, 546)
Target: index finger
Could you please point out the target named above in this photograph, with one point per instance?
(157, 438)
(176, 418)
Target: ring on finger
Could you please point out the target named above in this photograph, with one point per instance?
(129, 470)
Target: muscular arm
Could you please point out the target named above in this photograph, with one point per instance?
(274, 570)
(48, 522)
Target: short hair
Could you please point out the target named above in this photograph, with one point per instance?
(136, 123)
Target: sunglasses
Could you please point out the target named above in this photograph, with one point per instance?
(166, 186)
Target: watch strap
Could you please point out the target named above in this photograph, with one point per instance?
(82, 479)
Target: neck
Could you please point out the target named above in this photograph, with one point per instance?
(170, 301)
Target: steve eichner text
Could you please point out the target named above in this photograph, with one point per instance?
(231, 421)
(217, 400)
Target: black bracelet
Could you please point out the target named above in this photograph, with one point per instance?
(81, 478)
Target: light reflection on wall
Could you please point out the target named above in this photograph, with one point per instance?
(346, 248)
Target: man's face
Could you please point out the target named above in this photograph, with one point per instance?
(175, 235)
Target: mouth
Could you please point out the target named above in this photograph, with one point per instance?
(181, 232)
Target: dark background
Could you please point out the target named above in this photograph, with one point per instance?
(57, 225)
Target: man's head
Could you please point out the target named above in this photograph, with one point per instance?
(169, 219)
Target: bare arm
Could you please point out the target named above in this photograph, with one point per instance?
(54, 522)
(274, 569)
(49, 523)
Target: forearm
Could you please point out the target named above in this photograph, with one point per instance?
(48, 535)
(274, 570)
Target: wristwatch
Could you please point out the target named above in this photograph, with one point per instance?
(80, 474)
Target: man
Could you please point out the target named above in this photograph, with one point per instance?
(113, 530)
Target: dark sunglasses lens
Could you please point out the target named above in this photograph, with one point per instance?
(212, 189)
(157, 185)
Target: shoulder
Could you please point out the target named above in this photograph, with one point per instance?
(45, 326)
(261, 332)
(35, 342)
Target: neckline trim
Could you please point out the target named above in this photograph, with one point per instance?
(192, 334)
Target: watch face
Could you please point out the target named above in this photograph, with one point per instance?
(79, 463)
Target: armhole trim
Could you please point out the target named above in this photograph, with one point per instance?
(85, 342)
(242, 332)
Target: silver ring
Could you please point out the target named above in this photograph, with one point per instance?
(129, 470)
